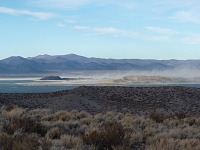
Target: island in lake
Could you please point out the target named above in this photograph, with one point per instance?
(57, 78)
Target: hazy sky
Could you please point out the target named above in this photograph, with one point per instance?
(159, 29)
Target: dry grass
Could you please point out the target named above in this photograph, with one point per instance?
(42, 129)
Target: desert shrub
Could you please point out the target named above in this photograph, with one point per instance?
(172, 134)
(25, 143)
(106, 137)
(79, 115)
(18, 134)
(27, 125)
(42, 129)
(12, 111)
(158, 117)
(6, 126)
(180, 115)
(60, 115)
(165, 144)
(174, 144)
(71, 142)
(86, 121)
(189, 144)
(197, 120)
(131, 122)
(54, 133)
(9, 107)
(45, 144)
(133, 139)
(127, 120)
(190, 121)
(74, 128)
(37, 113)
(5, 142)
(9, 143)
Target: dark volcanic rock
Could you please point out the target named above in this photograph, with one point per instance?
(51, 78)
(135, 100)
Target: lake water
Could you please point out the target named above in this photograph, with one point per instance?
(12, 86)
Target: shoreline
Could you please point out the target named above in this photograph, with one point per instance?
(68, 83)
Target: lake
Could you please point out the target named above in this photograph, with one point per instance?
(14, 86)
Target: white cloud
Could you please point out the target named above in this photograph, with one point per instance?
(70, 21)
(82, 27)
(192, 39)
(107, 30)
(121, 33)
(38, 15)
(184, 16)
(60, 25)
(161, 30)
(159, 38)
(127, 4)
(61, 3)
(176, 3)
(71, 4)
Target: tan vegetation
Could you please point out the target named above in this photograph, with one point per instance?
(22, 129)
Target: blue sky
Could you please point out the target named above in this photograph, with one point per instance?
(148, 29)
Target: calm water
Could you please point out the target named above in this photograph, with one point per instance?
(10, 86)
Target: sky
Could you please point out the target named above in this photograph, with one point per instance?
(147, 29)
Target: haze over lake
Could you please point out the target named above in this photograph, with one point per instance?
(96, 78)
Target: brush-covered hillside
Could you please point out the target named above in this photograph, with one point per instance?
(33, 129)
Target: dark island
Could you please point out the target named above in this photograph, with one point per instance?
(51, 78)
(47, 78)
(56, 78)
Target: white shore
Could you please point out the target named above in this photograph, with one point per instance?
(125, 81)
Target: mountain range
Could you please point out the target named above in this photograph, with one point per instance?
(46, 63)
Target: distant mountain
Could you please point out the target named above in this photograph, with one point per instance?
(17, 64)
(59, 63)
(157, 66)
